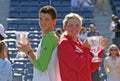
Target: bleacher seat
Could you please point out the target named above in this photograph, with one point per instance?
(11, 44)
(14, 9)
(33, 15)
(57, 3)
(88, 15)
(12, 53)
(66, 3)
(118, 14)
(66, 9)
(14, 3)
(13, 14)
(10, 35)
(23, 27)
(115, 3)
(76, 9)
(24, 9)
(24, 14)
(43, 3)
(87, 22)
(34, 3)
(12, 25)
(33, 9)
(33, 24)
(28, 77)
(17, 77)
(35, 35)
(59, 9)
(24, 3)
(60, 16)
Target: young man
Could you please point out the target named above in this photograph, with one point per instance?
(45, 59)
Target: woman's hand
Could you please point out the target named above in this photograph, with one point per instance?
(104, 43)
(86, 44)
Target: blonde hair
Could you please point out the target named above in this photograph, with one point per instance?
(113, 46)
(70, 16)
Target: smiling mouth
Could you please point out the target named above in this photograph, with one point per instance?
(43, 25)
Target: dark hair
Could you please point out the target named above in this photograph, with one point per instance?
(0, 47)
(1, 37)
(1, 44)
(115, 18)
(112, 17)
(49, 10)
(58, 32)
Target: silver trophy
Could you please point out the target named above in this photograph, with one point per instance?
(95, 42)
(21, 38)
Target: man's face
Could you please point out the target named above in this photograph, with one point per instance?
(46, 22)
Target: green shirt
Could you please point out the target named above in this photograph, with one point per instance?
(49, 43)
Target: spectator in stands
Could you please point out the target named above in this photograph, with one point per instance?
(74, 3)
(112, 63)
(92, 31)
(117, 31)
(5, 65)
(58, 32)
(112, 28)
(44, 61)
(74, 58)
(81, 3)
(83, 34)
(85, 3)
(102, 6)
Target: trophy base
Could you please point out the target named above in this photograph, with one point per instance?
(96, 60)
(21, 55)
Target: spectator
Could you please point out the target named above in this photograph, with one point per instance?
(81, 3)
(92, 31)
(74, 3)
(44, 61)
(102, 6)
(112, 28)
(5, 65)
(74, 58)
(58, 32)
(117, 31)
(112, 63)
(83, 34)
(85, 3)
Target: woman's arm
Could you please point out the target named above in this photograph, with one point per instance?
(106, 66)
(67, 55)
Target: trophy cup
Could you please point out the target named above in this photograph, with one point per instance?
(21, 37)
(95, 42)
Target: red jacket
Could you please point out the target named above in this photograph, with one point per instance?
(75, 61)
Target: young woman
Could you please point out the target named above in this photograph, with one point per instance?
(74, 56)
(112, 63)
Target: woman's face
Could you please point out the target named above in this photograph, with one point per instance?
(114, 51)
(73, 27)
